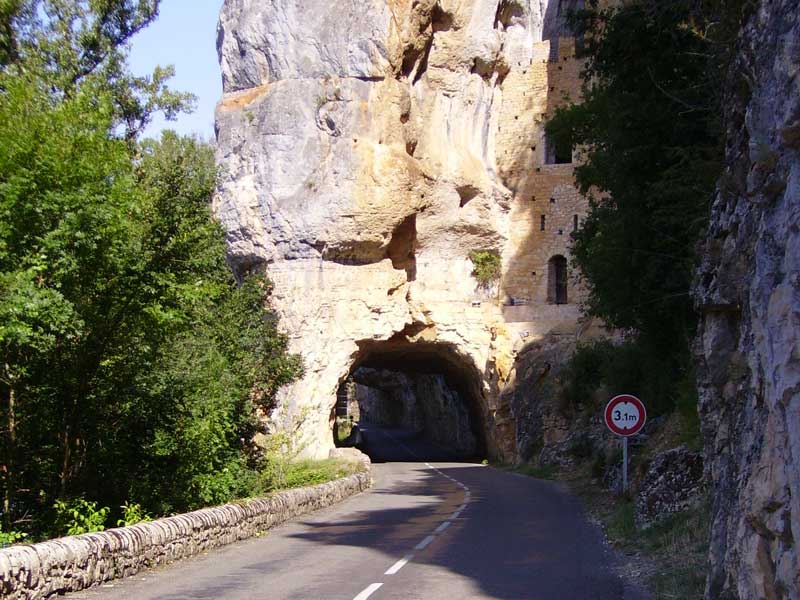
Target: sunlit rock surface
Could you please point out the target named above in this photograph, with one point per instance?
(367, 148)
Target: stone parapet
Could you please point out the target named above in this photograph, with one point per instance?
(39, 571)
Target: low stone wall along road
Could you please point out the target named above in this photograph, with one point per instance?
(428, 529)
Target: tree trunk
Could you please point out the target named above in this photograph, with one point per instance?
(11, 449)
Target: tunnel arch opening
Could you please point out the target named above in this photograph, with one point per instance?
(426, 386)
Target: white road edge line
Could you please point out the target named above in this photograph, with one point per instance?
(399, 564)
(368, 592)
(424, 543)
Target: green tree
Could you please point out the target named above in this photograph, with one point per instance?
(132, 360)
(72, 42)
(648, 133)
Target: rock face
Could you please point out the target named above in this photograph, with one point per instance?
(748, 289)
(367, 149)
(673, 483)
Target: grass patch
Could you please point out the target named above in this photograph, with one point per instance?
(620, 524)
(678, 545)
(679, 583)
(300, 473)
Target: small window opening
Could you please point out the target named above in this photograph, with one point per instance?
(543, 223)
(557, 280)
(558, 152)
(574, 222)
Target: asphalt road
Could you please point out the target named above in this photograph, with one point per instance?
(432, 530)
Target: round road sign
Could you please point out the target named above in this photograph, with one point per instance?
(625, 415)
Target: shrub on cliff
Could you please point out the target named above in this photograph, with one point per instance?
(486, 266)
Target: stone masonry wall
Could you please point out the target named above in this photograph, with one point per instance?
(39, 571)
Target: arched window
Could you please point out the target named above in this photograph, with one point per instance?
(557, 280)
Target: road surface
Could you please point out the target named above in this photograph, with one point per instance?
(426, 530)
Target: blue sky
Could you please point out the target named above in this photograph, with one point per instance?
(184, 35)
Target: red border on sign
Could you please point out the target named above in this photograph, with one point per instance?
(619, 400)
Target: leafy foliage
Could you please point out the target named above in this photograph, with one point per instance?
(133, 362)
(486, 266)
(73, 43)
(342, 429)
(652, 154)
(649, 135)
(630, 367)
(9, 538)
(79, 516)
(132, 514)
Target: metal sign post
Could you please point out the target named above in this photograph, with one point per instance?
(624, 465)
(625, 416)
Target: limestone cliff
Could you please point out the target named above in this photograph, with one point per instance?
(748, 289)
(367, 148)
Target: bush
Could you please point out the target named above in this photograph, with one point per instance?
(599, 465)
(75, 517)
(486, 266)
(132, 514)
(343, 428)
(632, 367)
(9, 538)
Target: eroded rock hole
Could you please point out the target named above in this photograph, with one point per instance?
(403, 245)
(441, 20)
(466, 193)
(416, 54)
(487, 70)
(352, 252)
(420, 389)
(423, 63)
(508, 11)
(410, 57)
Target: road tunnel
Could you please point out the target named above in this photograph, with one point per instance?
(427, 389)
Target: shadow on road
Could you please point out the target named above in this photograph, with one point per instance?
(384, 444)
(519, 538)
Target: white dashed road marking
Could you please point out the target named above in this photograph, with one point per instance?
(428, 540)
(368, 592)
(441, 527)
(399, 564)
